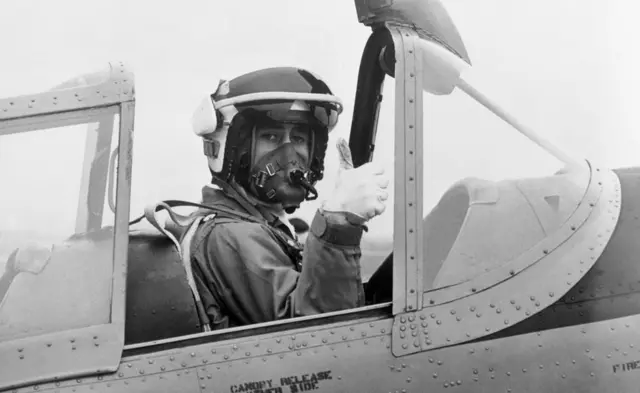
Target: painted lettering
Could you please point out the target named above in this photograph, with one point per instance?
(255, 386)
(303, 387)
(296, 384)
(628, 366)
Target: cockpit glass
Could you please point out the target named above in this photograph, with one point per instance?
(480, 176)
(56, 225)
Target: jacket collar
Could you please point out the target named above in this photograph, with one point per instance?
(214, 196)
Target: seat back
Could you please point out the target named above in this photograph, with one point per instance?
(159, 301)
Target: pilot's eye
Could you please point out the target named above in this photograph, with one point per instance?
(299, 140)
(269, 137)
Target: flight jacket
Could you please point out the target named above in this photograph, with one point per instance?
(246, 274)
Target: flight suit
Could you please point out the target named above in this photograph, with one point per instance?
(245, 272)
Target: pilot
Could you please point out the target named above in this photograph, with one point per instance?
(265, 135)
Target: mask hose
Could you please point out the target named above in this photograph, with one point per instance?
(297, 177)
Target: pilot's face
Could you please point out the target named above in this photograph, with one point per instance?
(272, 136)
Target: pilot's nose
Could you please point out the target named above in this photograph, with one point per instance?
(286, 138)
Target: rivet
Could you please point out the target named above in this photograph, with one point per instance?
(439, 322)
(405, 346)
(226, 357)
(498, 310)
(213, 351)
(141, 371)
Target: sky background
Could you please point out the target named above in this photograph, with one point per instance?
(567, 68)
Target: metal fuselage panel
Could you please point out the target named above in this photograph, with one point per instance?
(356, 357)
(611, 289)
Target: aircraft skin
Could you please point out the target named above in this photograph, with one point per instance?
(557, 313)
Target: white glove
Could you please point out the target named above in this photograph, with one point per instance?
(361, 191)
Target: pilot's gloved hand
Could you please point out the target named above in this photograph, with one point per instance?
(361, 191)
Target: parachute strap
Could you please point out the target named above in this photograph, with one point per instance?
(189, 224)
(184, 247)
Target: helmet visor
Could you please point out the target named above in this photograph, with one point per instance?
(314, 113)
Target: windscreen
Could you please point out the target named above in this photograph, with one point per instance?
(56, 226)
(471, 158)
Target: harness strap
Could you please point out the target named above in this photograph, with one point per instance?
(192, 223)
(186, 262)
(183, 247)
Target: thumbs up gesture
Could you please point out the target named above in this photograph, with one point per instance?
(361, 191)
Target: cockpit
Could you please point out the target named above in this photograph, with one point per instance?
(468, 214)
